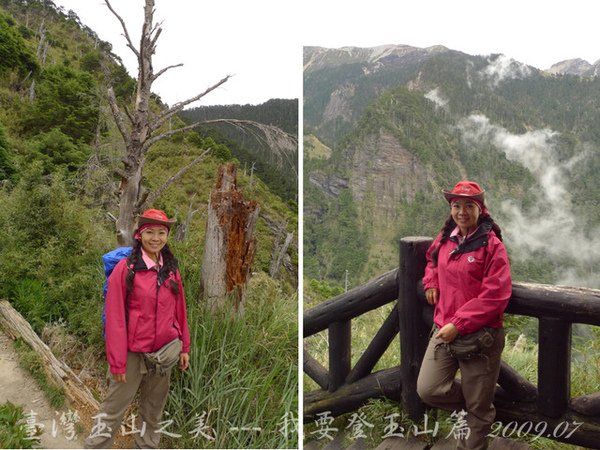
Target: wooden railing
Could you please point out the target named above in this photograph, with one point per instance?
(345, 388)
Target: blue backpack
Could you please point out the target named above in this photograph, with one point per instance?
(110, 260)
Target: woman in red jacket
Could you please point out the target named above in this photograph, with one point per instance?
(146, 333)
(467, 279)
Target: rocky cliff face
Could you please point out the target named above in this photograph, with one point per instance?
(382, 174)
(330, 185)
(339, 103)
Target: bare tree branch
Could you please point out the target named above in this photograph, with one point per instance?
(126, 33)
(156, 25)
(160, 72)
(157, 29)
(282, 144)
(177, 107)
(128, 113)
(276, 139)
(143, 60)
(150, 142)
(118, 115)
(154, 195)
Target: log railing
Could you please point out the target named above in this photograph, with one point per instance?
(345, 388)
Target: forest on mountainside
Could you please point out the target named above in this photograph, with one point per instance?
(279, 170)
(60, 155)
(398, 133)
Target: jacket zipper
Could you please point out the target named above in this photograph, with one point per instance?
(156, 306)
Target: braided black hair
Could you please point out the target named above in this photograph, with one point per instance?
(170, 265)
(450, 225)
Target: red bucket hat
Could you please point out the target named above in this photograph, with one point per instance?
(466, 189)
(155, 217)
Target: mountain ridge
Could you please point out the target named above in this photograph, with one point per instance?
(317, 57)
(576, 66)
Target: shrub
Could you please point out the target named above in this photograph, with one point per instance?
(13, 433)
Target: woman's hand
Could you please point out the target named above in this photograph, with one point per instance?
(447, 333)
(119, 377)
(432, 295)
(184, 361)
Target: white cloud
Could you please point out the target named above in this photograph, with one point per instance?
(436, 97)
(551, 226)
(503, 68)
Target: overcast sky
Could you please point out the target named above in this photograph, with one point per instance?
(260, 42)
(255, 41)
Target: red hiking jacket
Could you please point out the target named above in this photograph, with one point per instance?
(156, 315)
(474, 282)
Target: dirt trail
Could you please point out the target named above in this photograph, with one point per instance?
(18, 387)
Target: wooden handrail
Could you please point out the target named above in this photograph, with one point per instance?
(352, 304)
(577, 305)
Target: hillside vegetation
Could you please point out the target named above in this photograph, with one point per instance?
(59, 149)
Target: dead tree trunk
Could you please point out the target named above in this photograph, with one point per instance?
(32, 91)
(230, 245)
(129, 190)
(141, 128)
(280, 248)
(182, 228)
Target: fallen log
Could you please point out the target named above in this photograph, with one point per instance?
(15, 326)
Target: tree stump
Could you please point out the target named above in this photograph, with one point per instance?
(230, 244)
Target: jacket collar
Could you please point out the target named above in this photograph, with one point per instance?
(475, 240)
(150, 262)
(163, 274)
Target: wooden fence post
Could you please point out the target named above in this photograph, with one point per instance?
(554, 366)
(413, 330)
(339, 353)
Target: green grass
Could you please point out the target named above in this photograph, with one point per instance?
(13, 430)
(241, 387)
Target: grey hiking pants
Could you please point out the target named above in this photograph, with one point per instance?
(153, 397)
(474, 393)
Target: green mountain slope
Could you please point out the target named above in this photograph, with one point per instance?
(406, 128)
